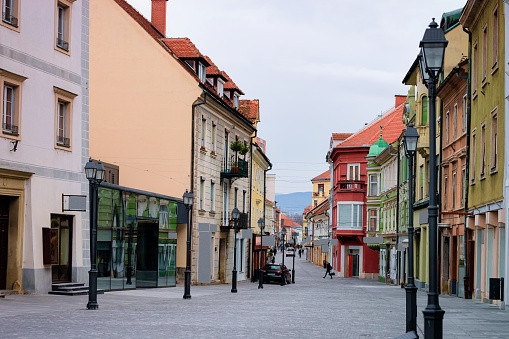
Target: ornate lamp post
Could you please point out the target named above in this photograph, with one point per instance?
(95, 175)
(410, 143)
(283, 236)
(236, 217)
(188, 198)
(433, 46)
(294, 237)
(261, 226)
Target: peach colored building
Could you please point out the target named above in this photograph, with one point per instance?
(167, 116)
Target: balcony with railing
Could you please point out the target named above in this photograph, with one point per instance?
(235, 168)
(64, 142)
(352, 186)
(243, 222)
(8, 18)
(318, 194)
(423, 144)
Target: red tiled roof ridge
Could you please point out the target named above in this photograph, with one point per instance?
(391, 129)
(250, 108)
(324, 176)
(341, 136)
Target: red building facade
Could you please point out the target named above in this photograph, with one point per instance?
(352, 257)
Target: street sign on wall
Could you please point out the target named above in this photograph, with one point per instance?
(74, 203)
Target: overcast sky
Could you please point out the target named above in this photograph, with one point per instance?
(317, 66)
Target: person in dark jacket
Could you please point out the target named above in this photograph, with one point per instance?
(329, 269)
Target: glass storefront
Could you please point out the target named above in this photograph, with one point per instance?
(136, 240)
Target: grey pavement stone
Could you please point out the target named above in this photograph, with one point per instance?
(312, 307)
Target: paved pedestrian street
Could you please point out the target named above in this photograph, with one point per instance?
(313, 307)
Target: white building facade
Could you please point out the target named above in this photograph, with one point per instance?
(43, 144)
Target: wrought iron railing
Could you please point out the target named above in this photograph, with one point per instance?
(8, 18)
(235, 168)
(10, 129)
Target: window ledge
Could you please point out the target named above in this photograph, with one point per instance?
(63, 51)
(201, 211)
(494, 170)
(63, 148)
(213, 154)
(472, 182)
(212, 213)
(482, 177)
(484, 82)
(474, 94)
(203, 150)
(10, 26)
(11, 136)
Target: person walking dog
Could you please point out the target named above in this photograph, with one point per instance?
(329, 269)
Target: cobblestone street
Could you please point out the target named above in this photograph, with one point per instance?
(313, 307)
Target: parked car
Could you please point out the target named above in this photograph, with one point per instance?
(290, 252)
(273, 272)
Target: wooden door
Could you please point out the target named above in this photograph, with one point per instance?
(4, 232)
(61, 242)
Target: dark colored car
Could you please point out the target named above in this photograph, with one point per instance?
(273, 272)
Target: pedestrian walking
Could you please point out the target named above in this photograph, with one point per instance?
(329, 269)
(275, 251)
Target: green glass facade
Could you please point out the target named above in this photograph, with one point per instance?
(136, 240)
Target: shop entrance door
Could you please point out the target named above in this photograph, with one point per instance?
(146, 254)
(4, 231)
(61, 246)
(355, 265)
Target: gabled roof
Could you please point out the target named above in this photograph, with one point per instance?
(340, 136)
(288, 222)
(324, 176)
(319, 209)
(213, 70)
(392, 124)
(250, 109)
(307, 209)
(230, 85)
(183, 48)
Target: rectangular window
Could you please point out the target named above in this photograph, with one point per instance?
(10, 12)
(244, 201)
(63, 24)
(494, 142)
(226, 146)
(446, 184)
(475, 71)
(202, 193)
(202, 72)
(212, 200)
(63, 118)
(236, 196)
(494, 42)
(236, 100)
(453, 191)
(447, 127)
(320, 189)
(373, 185)
(373, 220)
(484, 52)
(353, 172)
(464, 114)
(10, 98)
(483, 150)
(220, 87)
(424, 117)
(213, 138)
(203, 132)
(473, 155)
(421, 188)
(455, 121)
(462, 186)
(350, 215)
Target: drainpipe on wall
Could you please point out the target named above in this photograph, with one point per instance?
(506, 158)
(398, 255)
(467, 294)
(252, 245)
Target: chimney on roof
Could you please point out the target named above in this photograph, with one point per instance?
(158, 17)
(400, 99)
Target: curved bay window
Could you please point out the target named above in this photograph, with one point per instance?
(136, 240)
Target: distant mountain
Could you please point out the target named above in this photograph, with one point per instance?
(293, 202)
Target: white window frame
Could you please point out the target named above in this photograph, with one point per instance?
(358, 224)
(371, 193)
(220, 87)
(213, 137)
(202, 193)
(212, 193)
(447, 127)
(236, 100)
(464, 114)
(202, 72)
(353, 166)
(203, 132)
(455, 121)
(373, 217)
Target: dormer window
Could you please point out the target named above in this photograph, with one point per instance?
(236, 100)
(201, 72)
(210, 81)
(220, 87)
(226, 94)
(191, 64)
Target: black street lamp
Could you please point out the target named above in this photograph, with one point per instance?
(294, 237)
(410, 143)
(188, 202)
(261, 226)
(283, 275)
(433, 46)
(95, 175)
(236, 217)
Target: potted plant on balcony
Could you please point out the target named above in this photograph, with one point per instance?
(236, 146)
(243, 151)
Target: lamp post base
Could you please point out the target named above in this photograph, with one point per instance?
(187, 285)
(92, 306)
(260, 279)
(411, 308)
(234, 281)
(293, 276)
(433, 322)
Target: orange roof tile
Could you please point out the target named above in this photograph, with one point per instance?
(250, 109)
(230, 85)
(212, 69)
(183, 48)
(324, 176)
(392, 126)
(309, 208)
(340, 136)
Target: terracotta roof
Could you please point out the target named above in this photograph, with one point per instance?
(183, 48)
(307, 209)
(324, 176)
(230, 85)
(392, 125)
(319, 209)
(340, 136)
(250, 109)
(288, 222)
(212, 69)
